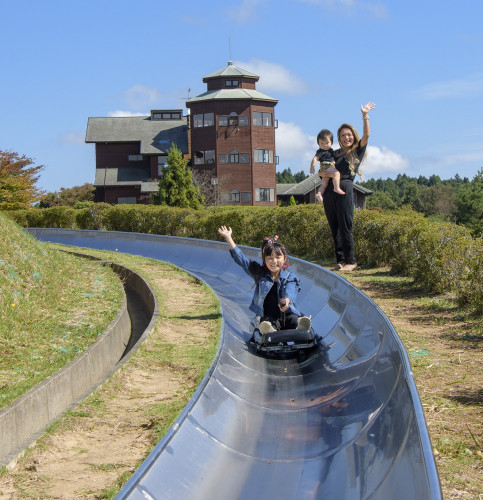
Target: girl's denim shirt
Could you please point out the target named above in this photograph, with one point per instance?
(288, 285)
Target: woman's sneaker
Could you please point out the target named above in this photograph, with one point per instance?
(304, 323)
(266, 327)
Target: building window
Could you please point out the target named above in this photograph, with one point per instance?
(199, 157)
(129, 200)
(235, 195)
(263, 156)
(233, 119)
(165, 115)
(210, 156)
(264, 194)
(243, 121)
(245, 197)
(135, 157)
(208, 119)
(244, 157)
(223, 121)
(203, 120)
(204, 157)
(233, 156)
(262, 119)
(162, 162)
(223, 159)
(231, 83)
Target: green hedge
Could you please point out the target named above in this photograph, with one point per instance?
(442, 257)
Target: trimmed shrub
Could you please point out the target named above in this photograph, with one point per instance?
(439, 256)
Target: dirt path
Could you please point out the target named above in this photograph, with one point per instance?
(446, 358)
(108, 435)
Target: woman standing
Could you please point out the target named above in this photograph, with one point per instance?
(339, 209)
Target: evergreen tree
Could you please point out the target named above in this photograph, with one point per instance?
(300, 176)
(286, 177)
(176, 187)
(469, 203)
(17, 181)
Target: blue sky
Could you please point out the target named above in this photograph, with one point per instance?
(420, 61)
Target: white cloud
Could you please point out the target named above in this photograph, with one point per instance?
(72, 138)
(120, 113)
(139, 96)
(352, 7)
(471, 86)
(383, 161)
(294, 147)
(274, 77)
(246, 11)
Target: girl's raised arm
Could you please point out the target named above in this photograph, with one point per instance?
(226, 232)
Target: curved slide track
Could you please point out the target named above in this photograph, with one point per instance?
(342, 423)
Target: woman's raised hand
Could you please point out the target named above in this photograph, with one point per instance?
(365, 109)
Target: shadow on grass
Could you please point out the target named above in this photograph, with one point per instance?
(468, 397)
(212, 316)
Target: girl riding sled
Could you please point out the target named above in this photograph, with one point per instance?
(275, 287)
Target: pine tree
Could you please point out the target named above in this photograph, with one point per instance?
(17, 181)
(176, 187)
(469, 204)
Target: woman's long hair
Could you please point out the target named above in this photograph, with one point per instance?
(351, 153)
(268, 247)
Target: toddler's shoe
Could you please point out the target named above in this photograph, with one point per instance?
(266, 327)
(304, 323)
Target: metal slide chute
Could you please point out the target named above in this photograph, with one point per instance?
(342, 423)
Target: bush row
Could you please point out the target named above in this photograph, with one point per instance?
(442, 257)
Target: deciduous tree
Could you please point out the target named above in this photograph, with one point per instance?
(68, 196)
(17, 181)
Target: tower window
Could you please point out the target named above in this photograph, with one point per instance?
(233, 156)
(264, 194)
(262, 119)
(233, 119)
(235, 195)
(263, 156)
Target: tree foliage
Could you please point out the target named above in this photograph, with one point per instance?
(17, 181)
(176, 188)
(286, 177)
(68, 197)
(457, 200)
(469, 204)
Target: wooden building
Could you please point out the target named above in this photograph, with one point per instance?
(130, 152)
(304, 192)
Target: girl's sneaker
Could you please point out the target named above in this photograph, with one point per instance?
(304, 323)
(266, 327)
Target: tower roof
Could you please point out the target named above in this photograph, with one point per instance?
(231, 70)
(230, 94)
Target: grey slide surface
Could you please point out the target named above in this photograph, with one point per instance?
(346, 423)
